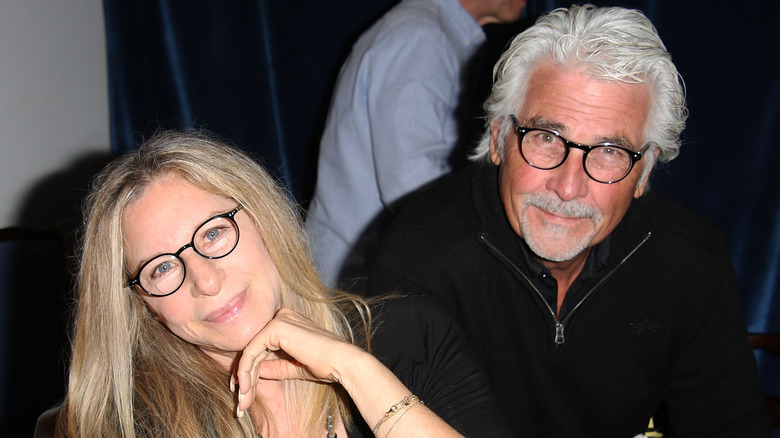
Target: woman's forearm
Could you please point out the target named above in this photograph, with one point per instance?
(376, 390)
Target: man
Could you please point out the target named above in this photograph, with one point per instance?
(398, 110)
(592, 301)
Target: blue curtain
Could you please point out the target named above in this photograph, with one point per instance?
(260, 73)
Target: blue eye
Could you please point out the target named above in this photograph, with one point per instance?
(163, 268)
(212, 234)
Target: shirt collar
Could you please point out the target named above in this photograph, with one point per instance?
(594, 264)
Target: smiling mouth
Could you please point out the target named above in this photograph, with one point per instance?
(228, 311)
(555, 210)
(559, 217)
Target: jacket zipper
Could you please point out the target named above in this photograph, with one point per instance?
(560, 325)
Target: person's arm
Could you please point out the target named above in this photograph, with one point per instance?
(320, 356)
(713, 388)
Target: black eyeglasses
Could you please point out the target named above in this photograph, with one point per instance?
(545, 149)
(214, 239)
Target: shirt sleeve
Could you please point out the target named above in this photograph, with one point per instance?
(419, 342)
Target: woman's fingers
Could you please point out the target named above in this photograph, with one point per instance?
(290, 346)
(248, 377)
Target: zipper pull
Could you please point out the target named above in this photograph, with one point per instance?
(559, 338)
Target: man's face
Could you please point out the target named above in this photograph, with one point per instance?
(561, 212)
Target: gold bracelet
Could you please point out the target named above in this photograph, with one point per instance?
(419, 402)
(393, 409)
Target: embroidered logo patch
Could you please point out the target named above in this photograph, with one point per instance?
(645, 326)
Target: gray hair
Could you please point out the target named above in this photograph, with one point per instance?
(611, 44)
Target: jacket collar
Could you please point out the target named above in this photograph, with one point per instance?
(495, 227)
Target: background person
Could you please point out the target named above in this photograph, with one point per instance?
(591, 301)
(400, 107)
(199, 314)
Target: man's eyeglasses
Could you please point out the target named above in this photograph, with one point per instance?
(214, 239)
(545, 149)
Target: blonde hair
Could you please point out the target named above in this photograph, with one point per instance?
(129, 375)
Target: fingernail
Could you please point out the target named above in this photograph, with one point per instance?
(240, 396)
(232, 385)
(239, 412)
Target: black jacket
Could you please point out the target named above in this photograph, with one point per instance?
(653, 319)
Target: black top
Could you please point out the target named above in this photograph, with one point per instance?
(653, 320)
(420, 343)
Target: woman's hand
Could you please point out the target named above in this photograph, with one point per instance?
(314, 354)
(318, 355)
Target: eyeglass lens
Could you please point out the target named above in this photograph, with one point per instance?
(164, 274)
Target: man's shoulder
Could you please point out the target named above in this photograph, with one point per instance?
(673, 219)
(415, 39)
(442, 203)
(433, 224)
(408, 20)
(409, 316)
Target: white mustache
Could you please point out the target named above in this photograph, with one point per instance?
(552, 204)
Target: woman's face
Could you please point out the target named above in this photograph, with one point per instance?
(223, 302)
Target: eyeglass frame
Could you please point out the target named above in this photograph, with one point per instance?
(136, 280)
(521, 131)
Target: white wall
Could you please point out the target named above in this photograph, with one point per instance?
(53, 105)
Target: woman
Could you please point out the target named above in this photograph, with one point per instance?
(199, 314)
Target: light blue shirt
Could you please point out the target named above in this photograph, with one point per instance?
(391, 126)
